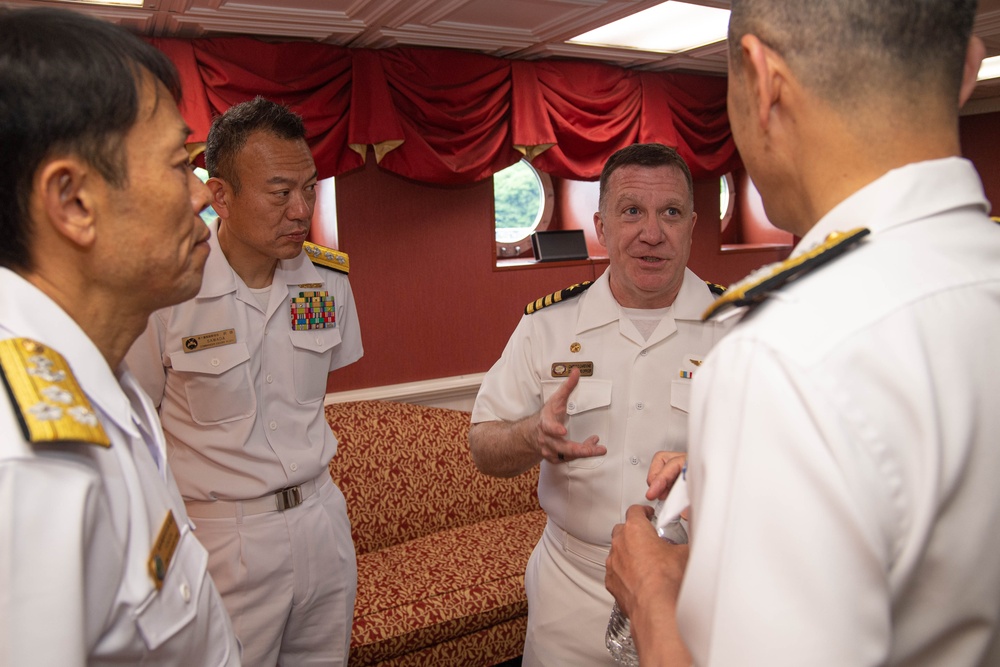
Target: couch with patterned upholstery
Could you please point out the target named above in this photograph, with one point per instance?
(441, 547)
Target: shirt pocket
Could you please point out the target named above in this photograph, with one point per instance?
(184, 622)
(217, 383)
(312, 351)
(589, 410)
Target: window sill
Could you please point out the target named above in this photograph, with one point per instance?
(520, 263)
(754, 247)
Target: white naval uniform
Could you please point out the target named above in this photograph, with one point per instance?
(244, 420)
(845, 444)
(78, 523)
(636, 402)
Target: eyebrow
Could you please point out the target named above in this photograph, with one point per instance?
(282, 180)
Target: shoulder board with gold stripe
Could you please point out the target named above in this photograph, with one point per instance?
(715, 288)
(51, 407)
(556, 297)
(754, 288)
(328, 257)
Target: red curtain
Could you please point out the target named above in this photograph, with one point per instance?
(451, 117)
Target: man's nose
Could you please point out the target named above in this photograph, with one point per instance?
(301, 207)
(651, 231)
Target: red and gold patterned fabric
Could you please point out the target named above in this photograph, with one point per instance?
(441, 548)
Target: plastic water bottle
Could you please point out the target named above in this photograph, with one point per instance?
(618, 638)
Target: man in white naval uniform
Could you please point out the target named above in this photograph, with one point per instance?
(98, 562)
(845, 436)
(239, 375)
(593, 382)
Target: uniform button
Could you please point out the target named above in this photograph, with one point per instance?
(269, 378)
(639, 406)
(273, 425)
(571, 406)
(294, 467)
(634, 461)
(186, 592)
(319, 340)
(215, 362)
(644, 353)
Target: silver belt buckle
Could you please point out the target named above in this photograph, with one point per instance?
(288, 498)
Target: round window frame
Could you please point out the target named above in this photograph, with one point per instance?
(521, 246)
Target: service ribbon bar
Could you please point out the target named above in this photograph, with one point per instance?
(313, 310)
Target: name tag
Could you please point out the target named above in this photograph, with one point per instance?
(205, 341)
(561, 369)
(163, 550)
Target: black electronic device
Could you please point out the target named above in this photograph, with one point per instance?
(559, 245)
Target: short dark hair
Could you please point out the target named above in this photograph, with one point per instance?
(643, 155)
(847, 50)
(230, 131)
(69, 84)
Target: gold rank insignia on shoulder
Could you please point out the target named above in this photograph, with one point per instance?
(328, 257)
(715, 288)
(51, 406)
(755, 288)
(556, 297)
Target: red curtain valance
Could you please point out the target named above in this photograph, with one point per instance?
(444, 116)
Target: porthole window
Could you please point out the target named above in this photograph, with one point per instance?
(522, 204)
(208, 215)
(727, 193)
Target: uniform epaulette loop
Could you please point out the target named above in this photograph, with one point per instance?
(556, 297)
(716, 288)
(754, 288)
(328, 257)
(50, 405)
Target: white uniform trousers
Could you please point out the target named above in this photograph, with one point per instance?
(568, 605)
(288, 579)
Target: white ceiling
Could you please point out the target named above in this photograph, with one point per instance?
(529, 29)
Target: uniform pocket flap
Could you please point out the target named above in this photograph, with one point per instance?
(175, 605)
(213, 361)
(315, 340)
(588, 395)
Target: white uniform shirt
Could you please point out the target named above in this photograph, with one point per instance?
(78, 523)
(636, 402)
(846, 444)
(245, 419)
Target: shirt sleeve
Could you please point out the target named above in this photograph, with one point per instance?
(56, 556)
(350, 348)
(511, 389)
(786, 566)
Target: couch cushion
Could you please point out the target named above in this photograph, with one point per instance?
(434, 589)
(406, 472)
(492, 646)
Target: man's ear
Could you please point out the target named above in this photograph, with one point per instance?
(66, 192)
(764, 74)
(220, 196)
(974, 55)
(599, 228)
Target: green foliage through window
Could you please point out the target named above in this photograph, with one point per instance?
(517, 194)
